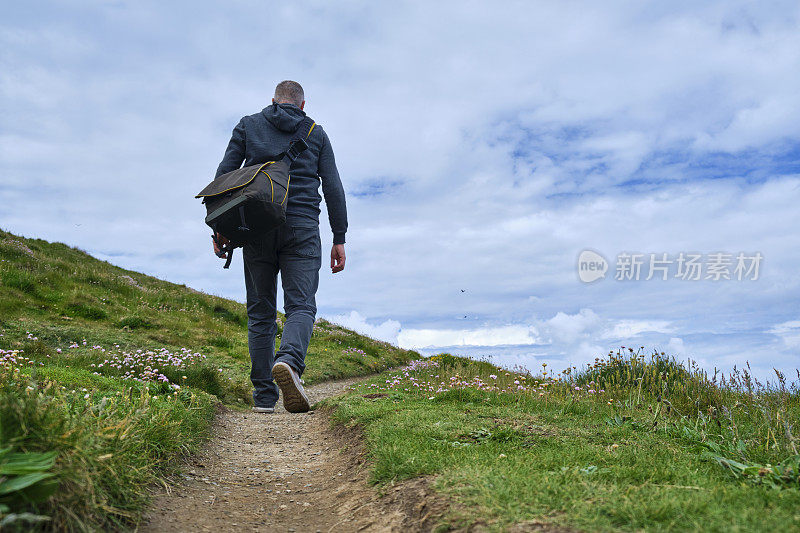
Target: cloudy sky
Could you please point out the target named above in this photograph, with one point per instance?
(482, 146)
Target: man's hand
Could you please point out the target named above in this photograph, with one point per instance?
(223, 241)
(337, 258)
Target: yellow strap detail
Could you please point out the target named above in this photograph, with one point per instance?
(287, 188)
(271, 188)
(238, 186)
(312, 129)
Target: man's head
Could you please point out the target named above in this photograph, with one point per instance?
(289, 92)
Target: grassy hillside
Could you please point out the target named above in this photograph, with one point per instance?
(632, 443)
(106, 375)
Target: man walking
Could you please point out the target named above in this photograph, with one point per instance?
(292, 249)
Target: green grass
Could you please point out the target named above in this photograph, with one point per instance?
(72, 326)
(511, 447)
(110, 444)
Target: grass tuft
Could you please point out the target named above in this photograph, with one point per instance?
(84, 310)
(136, 322)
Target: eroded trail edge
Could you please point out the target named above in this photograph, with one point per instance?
(284, 472)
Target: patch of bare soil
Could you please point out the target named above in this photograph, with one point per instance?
(287, 472)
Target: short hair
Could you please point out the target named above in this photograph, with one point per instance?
(289, 92)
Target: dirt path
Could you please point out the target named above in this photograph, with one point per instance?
(283, 472)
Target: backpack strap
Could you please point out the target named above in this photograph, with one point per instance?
(225, 251)
(306, 125)
(298, 143)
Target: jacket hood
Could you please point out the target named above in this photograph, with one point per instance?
(285, 117)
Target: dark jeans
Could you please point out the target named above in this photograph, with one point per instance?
(296, 252)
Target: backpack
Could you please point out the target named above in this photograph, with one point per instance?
(245, 204)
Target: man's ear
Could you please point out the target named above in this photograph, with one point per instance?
(302, 104)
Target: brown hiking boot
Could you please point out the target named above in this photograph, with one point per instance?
(294, 397)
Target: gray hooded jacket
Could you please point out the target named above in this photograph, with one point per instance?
(261, 137)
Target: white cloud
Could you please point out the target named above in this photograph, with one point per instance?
(387, 330)
(488, 336)
(789, 332)
(676, 348)
(630, 328)
(516, 141)
(568, 329)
